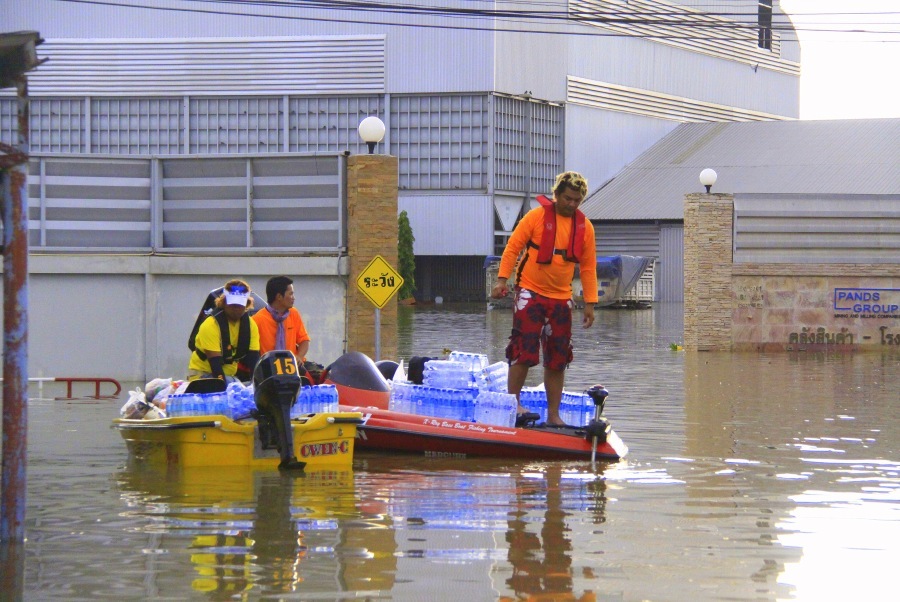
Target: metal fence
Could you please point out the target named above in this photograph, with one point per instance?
(224, 204)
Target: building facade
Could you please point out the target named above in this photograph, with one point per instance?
(484, 102)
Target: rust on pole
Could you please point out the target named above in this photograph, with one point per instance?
(14, 169)
(17, 56)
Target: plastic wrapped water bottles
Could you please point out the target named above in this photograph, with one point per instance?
(446, 374)
(534, 400)
(492, 407)
(184, 404)
(239, 400)
(315, 399)
(473, 361)
(174, 405)
(494, 377)
(328, 398)
(401, 393)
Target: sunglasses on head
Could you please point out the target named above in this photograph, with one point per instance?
(237, 289)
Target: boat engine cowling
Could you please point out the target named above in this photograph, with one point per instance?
(276, 383)
(359, 381)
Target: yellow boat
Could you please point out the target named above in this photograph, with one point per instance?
(322, 441)
(271, 439)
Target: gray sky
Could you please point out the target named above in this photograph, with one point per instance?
(846, 74)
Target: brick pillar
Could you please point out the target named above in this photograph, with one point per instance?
(371, 230)
(708, 261)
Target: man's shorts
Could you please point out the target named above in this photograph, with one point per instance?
(540, 323)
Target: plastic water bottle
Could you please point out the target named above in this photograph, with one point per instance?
(330, 398)
(468, 400)
(302, 403)
(173, 406)
(473, 361)
(493, 377)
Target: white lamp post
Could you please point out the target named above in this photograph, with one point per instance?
(371, 130)
(708, 178)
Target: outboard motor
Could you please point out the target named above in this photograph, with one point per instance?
(276, 383)
(598, 428)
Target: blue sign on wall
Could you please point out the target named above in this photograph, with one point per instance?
(868, 302)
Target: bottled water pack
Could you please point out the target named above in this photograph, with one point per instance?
(446, 374)
(474, 362)
(492, 407)
(493, 378)
(440, 402)
(315, 399)
(198, 404)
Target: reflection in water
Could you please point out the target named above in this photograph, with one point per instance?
(750, 477)
(261, 530)
(540, 549)
(272, 534)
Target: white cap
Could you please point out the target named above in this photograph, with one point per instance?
(236, 295)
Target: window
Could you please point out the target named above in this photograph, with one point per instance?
(764, 20)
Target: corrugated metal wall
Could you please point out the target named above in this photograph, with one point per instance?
(104, 67)
(620, 238)
(670, 267)
(805, 228)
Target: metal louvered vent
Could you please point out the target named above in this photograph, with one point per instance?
(137, 126)
(57, 125)
(330, 124)
(440, 141)
(235, 125)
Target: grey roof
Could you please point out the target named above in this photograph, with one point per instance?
(858, 156)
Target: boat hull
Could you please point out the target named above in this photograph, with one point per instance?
(395, 431)
(323, 441)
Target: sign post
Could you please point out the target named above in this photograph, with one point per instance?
(379, 281)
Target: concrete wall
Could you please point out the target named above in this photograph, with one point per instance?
(779, 306)
(129, 317)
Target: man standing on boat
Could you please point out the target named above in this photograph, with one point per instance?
(554, 237)
(226, 337)
(280, 324)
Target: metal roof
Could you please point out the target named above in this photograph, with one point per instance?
(853, 156)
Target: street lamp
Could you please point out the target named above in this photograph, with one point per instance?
(708, 178)
(371, 130)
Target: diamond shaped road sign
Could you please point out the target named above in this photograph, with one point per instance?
(379, 281)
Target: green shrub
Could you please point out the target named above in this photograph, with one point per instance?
(407, 260)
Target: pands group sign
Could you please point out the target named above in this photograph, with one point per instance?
(866, 303)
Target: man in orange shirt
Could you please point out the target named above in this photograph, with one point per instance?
(542, 311)
(280, 325)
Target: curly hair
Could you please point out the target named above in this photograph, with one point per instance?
(573, 180)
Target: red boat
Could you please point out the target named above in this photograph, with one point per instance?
(363, 388)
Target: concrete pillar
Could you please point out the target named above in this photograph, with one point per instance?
(708, 261)
(372, 182)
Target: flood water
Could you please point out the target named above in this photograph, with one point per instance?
(750, 477)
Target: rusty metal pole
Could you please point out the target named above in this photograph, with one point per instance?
(14, 170)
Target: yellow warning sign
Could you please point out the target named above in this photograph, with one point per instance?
(379, 281)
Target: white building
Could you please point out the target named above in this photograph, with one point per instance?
(484, 101)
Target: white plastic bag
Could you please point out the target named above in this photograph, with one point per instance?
(136, 406)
